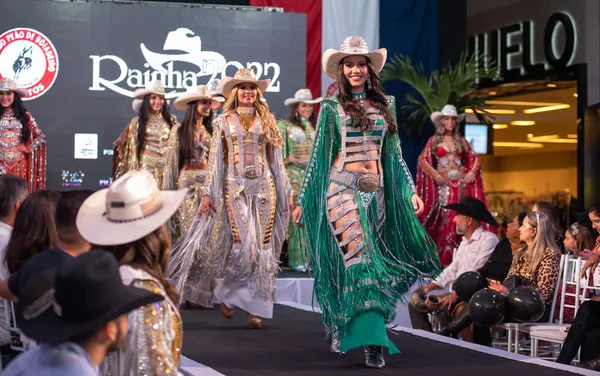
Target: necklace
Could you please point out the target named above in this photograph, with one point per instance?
(361, 96)
(246, 116)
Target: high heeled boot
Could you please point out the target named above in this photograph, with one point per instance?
(374, 357)
(593, 364)
(335, 343)
(460, 322)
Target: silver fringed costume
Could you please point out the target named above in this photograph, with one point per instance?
(241, 243)
(154, 339)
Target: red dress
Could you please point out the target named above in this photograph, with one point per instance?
(24, 159)
(453, 165)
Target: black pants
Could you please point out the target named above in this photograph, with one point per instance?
(584, 333)
(481, 336)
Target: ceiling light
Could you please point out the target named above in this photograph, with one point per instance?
(495, 111)
(553, 139)
(542, 138)
(551, 85)
(522, 103)
(524, 145)
(529, 135)
(571, 136)
(500, 126)
(575, 95)
(492, 93)
(546, 109)
(522, 123)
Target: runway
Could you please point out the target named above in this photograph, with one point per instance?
(292, 343)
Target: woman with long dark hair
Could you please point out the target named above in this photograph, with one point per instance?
(358, 204)
(144, 143)
(128, 219)
(190, 148)
(22, 143)
(298, 133)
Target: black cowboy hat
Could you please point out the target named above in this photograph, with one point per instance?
(474, 208)
(88, 292)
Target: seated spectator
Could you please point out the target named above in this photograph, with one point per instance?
(549, 209)
(128, 219)
(13, 191)
(472, 254)
(535, 265)
(78, 323)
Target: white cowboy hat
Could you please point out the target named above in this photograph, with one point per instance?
(153, 87)
(8, 84)
(137, 104)
(302, 96)
(194, 94)
(448, 111)
(131, 208)
(352, 46)
(244, 75)
(214, 90)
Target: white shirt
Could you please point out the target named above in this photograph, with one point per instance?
(471, 255)
(5, 233)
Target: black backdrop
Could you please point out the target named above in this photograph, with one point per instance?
(100, 43)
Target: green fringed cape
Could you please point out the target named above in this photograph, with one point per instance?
(354, 300)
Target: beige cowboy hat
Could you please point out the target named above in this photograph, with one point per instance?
(194, 94)
(352, 46)
(214, 90)
(131, 208)
(302, 96)
(244, 75)
(8, 84)
(448, 111)
(153, 87)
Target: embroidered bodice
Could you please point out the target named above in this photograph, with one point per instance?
(240, 142)
(201, 147)
(10, 130)
(157, 135)
(299, 141)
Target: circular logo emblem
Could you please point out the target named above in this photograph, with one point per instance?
(28, 57)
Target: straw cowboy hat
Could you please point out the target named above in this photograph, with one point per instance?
(66, 310)
(194, 94)
(214, 90)
(131, 208)
(8, 84)
(352, 46)
(153, 87)
(302, 96)
(244, 75)
(448, 111)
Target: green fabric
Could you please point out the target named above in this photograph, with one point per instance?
(394, 259)
(367, 328)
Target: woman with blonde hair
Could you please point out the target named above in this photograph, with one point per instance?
(128, 220)
(248, 186)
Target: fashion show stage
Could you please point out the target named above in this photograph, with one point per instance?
(293, 343)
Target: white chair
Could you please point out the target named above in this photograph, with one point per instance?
(557, 333)
(514, 329)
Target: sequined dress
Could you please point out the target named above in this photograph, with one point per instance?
(453, 166)
(24, 159)
(154, 339)
(154, 156)
(297, 141)
(358, 286)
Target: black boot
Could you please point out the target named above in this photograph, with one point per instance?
(460, 322)
(593, 364)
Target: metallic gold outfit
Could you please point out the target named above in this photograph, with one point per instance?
(154, 338)
(154, 155)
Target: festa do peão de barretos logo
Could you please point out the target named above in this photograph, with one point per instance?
(30, 58)
(182, 48)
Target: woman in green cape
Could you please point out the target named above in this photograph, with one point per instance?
(358, 205)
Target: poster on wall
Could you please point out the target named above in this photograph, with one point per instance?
(80, 64)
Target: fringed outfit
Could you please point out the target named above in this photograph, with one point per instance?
(154, 157)
(453, 166)
(242, 241)
(154, 339)
(186, 267)
(357, 287)
(24, 159)
(297, 142)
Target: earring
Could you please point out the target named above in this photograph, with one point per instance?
(369, 83)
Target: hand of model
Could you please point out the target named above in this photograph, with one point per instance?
(448, 300)
(439, 179)
(470, 178)
(498, 287)
(23, 148)
(297, 214)
(206, 207)
(291, 203)
(417, 204)
(592, 262)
